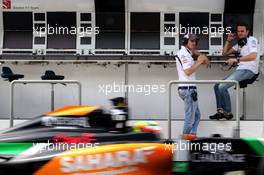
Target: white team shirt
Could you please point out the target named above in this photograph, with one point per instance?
(184, 62)
(251, 46)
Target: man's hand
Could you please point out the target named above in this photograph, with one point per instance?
(231, 37)
(231, 61)
(202, 59)
(227, 50)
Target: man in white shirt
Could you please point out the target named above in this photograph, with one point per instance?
(187, 67)
(248, 66)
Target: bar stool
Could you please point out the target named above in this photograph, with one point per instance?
(50, 75)
(8, 74)
(243, 84)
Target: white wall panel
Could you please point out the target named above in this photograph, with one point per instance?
(176, 5)
(35, 100)
(51, 5)
(32, 100)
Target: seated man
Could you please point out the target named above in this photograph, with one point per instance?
(248, 65)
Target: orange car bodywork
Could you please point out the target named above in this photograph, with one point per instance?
(118, 159)
(73, 111)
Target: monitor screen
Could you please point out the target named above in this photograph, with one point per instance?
(111, 30)
(18, 30)
(61, 34)
(145, 31)
(196, 22)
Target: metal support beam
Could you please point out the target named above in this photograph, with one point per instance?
(52, 82)
(236, 83)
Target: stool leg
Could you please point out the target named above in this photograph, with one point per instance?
(52, 97)
(243, 117)
(245, 104)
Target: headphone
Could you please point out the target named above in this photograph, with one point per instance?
(242, 42)
(185, 39)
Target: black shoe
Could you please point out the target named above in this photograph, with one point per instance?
(228, 116)
(217, 116)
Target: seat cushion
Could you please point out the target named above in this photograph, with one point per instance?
(244, 83)
(50, 75)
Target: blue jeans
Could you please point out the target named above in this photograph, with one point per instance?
(221, 90)
(192, 112)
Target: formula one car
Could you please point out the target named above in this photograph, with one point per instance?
(83, 140)
(89, 141)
